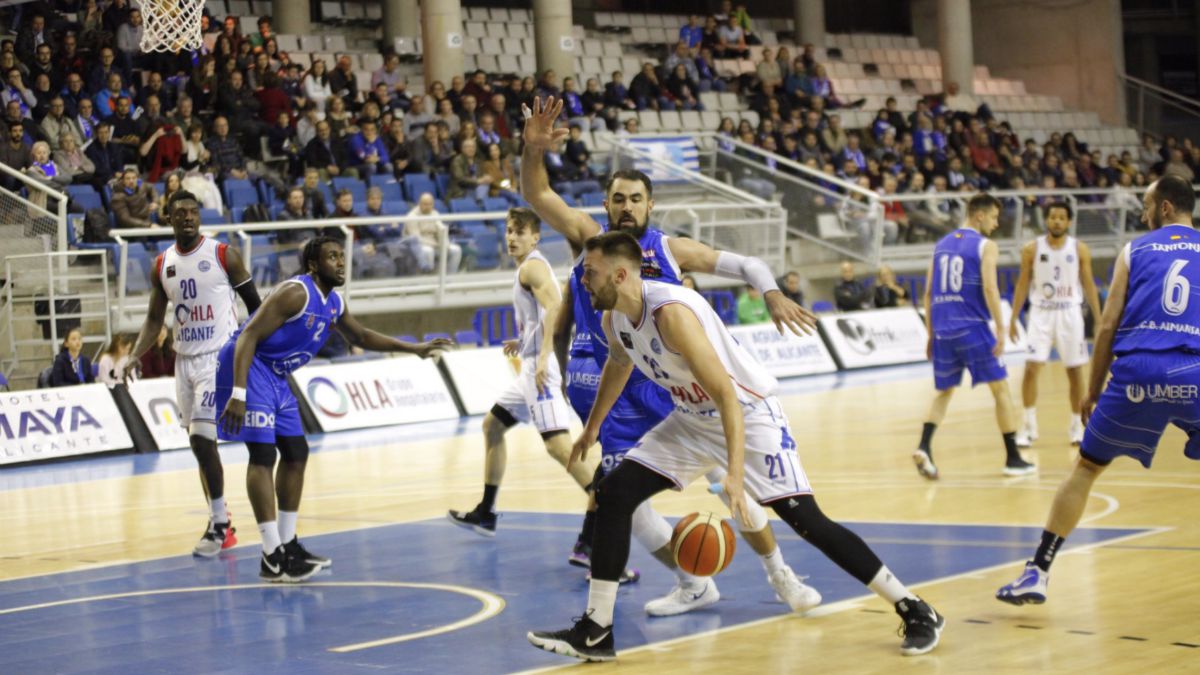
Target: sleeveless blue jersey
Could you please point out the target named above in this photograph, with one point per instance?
(956, 299)
(1162, 303)
(581, 307)
(299, 339)
(657, 264)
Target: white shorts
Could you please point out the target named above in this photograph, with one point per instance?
(1061, 328)
(196, 388)
(547, 409)
(685, 446)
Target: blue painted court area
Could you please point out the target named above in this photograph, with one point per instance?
(184, 615)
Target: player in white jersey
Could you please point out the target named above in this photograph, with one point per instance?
(1058, 268)
(199, 276)
(726, 414)
(535, 292)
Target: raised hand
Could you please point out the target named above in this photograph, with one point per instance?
(539, 124)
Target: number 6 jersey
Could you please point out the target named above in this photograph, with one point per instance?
(197, 284)
(1162, 303)
(956, 296)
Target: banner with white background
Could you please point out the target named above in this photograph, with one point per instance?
(786, 355)
(479, 376)
(876, 337)
(375, 393)
(60, 422)
(155, 401)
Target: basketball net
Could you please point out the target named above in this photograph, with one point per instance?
(171, 25)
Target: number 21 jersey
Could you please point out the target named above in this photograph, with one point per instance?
(956, 296)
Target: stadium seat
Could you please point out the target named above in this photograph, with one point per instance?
(211, 217)
(724, 304)
(354, 185)
(467, 337)
(85, 197)
(464, 205)
(495, 324)
(442, 180)
(822, 307)
(417, 184)
(433, 336)
(486, 244)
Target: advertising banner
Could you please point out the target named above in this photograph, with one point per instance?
(479, 376)
(61, 422)
(878, 337)
(786, 355)
(375, 393)
(155, 401)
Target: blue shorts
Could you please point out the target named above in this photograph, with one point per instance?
(583, 378)
(641, 406)
(271, 408)
(1148, 391)
(970, 349)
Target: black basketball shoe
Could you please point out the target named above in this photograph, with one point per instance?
(279, 567)
(296, 549)
(922, 627)
(586, 640)
(481, 522)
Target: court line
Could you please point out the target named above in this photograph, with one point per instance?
(834, 608)
(492, 604)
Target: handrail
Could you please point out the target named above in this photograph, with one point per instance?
(1165, 93)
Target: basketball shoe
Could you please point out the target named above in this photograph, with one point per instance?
(481, 522)
(296, 549)
(795, 593)
(279, 567)
(1019, 467)
(924, 463)
(922, 627)
(685, 597)
(581, 555)
(217, 537)
(586, 640)
(1028, 589)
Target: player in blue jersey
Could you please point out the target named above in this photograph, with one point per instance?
(1151, 327)
(642, 404)
(258, 406)
(961, 296)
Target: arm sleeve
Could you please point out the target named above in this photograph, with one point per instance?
(747, 268)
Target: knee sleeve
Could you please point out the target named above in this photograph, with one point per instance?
(206, 430)
(650, 529)
(292, 449)
(841, 545)
(262, 454)
(503, 416)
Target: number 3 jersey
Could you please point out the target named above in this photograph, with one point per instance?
(197, 284)
(956, 299)
(667, 369)
(1162, 303)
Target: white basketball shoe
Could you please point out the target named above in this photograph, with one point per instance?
(794, 592)
(685, 597)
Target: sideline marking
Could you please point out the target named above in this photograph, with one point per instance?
(492, 605)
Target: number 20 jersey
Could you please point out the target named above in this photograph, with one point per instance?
(1162, 303)
(197, 284)
(956, 297)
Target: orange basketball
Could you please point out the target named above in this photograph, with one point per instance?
(702, 544)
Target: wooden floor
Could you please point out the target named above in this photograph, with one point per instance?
(1125, 606)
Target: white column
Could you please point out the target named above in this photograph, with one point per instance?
(442, 39)
(401, 18)
(808, 18)
(956, 45)
(552, 36)
(288, 17)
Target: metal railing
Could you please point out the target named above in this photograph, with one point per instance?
(1154, 109)
(756, 228)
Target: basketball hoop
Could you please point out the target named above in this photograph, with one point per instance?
(171, 25)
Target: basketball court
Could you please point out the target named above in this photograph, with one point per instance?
(96, 575)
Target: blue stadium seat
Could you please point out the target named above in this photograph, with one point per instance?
(85, 197)
(724, 304)
(394, 207)
(822, 307)
(392, 191)
(464, 205)
(211, 217)
(443, 184)
(264, 261)
(137, 268)
(417, 184)
(487, 249)
(433, 336)
(406, 338)
(495, 324)
(467, 337)
(354, 185)
(498, 204)
(591, 199)
(232, 185)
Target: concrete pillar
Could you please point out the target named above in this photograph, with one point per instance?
(289, 17)
(808, 18)
(555, 45)
(401, 18)
(956, 45)
(442, 39)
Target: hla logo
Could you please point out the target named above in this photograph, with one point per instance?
(61, 420)
(333, 405)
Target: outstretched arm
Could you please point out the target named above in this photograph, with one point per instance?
(1021, 292)
(361, 336)
(693, 256)
(541, 136)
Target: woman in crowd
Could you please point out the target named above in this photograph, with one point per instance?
(316, 84)
(72, 161)
(71, 367)
(113, 359)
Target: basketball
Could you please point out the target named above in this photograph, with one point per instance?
(702, 544)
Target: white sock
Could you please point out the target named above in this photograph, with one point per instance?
(602, 598)
(287, 525)
(270, 536)
(219, 513)
(887, 586)
(1031, 415)
(773, 561)
(685, 578)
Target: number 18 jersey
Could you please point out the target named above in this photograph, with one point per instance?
(1162, 306)
(956, 297)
